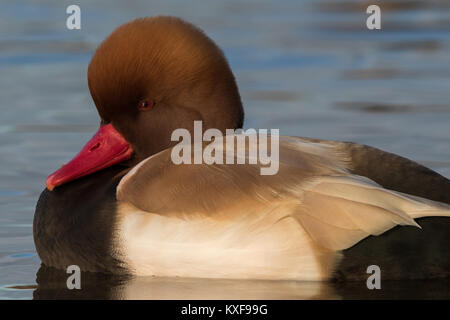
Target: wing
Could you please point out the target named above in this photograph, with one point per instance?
(313, 185)
(394, 172)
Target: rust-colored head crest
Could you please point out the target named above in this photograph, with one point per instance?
(163, 60)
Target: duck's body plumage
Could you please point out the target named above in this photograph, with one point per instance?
(142, 214)
(228, 221)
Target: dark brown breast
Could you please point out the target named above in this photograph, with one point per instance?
(74, 223)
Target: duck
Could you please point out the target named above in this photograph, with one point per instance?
(122, 206)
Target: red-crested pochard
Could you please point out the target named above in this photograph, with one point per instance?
(122, 205)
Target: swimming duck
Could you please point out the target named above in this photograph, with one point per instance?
(123, 206)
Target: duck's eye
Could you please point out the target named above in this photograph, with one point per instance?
(145, 105)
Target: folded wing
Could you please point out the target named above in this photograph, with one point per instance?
(337, 209)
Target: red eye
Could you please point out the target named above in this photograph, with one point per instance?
(145, 105)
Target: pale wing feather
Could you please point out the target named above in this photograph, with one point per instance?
(339, 211)
(336, 209)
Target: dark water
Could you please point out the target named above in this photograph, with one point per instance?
(310, 68)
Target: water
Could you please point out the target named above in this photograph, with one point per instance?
(310, 68)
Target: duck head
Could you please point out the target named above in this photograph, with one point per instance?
(148, 78)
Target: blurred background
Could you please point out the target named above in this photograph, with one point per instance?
(308, 67)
